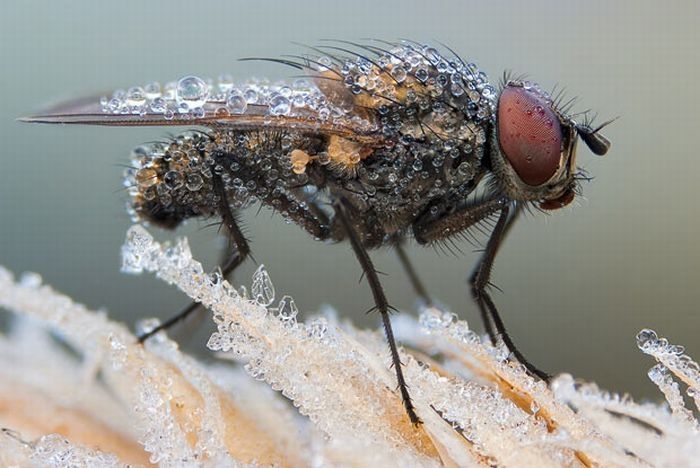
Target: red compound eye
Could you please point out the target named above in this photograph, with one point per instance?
(530, 134)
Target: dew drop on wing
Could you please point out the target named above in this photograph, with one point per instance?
(191, 92)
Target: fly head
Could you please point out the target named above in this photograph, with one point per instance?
(535, 146)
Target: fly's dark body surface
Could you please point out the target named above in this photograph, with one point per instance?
(377, 143)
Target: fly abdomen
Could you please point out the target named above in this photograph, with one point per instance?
(170, 182)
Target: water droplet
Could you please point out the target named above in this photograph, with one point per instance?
(194, 182)
(456, 89)
(135, 96)
(466, 170)
(251, 96)
(422, 74)
(173, 179)
(198, 112)
(646, 338)
(432, 55)
(236, 103)
(158, 105)
(113, 105)
(191, 91)
(279, 105)
(399, 73)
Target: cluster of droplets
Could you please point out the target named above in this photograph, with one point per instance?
(399, 181)
(171, 179)
(340, 378)
(434, 113)
(671, 360)
(425, 75)
(196, 98)
(54, 450)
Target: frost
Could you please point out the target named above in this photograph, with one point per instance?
(111, 402)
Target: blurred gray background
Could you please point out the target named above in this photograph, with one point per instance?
(577, 285)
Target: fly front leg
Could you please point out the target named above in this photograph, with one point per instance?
(450, 221)
(480, 281)
(380, 301)
(240, 250)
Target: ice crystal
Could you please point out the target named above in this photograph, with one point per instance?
(111, 402)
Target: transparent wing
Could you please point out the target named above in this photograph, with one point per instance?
(303, 106)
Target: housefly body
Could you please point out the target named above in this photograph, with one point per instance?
(374, 144)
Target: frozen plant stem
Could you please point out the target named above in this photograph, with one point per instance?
(478, 409)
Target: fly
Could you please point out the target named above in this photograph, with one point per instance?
(374, 144)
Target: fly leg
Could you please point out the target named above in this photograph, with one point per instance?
(416, 282)
(381, 303)
(239, 252)
(479, 281)
(454, 219)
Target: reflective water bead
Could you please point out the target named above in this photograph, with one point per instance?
(173, 179)
(250, 95)
(236, 103)
(198, 112)
(279, 105)
(135, 96)
(194, 182)
(646, 338)
(399, 73)
(422, 74)
(456, 89)
(285, 91)
(158, 105)
(432, 55)
(113, 105)
(191, 91)
(465, 169)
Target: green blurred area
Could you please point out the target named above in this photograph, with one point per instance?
(577, 285)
